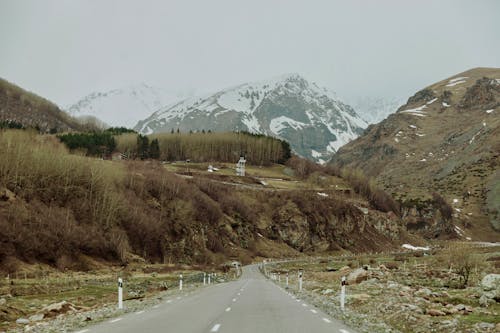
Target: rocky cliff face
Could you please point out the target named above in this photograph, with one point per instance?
(445, 139)
(311, 118)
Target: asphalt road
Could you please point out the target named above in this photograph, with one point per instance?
(250, 304)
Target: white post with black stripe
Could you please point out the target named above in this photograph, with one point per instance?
(120, 293)
(342, 293)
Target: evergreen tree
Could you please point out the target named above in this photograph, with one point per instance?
(154, 149)
(142, 147)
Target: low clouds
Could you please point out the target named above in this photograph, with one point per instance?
(66, 49)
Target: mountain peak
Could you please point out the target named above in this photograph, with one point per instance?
(132, 102)
(287, 106)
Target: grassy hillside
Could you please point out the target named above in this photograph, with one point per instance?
(56, 208)
(445, 139)
(23, 107)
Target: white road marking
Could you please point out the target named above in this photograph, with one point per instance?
(140, 312)
(298, 300)
(304, 304)
(82, 331)
(234, 299)
(326, 320)
(314, 311)
(115, 320)
(178, 297)
(341, 330)
(156, 307)
(228, 309)
(215, 328)
(169, 301)
(239, 294)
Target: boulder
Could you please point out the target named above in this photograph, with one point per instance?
(357, 276)
(55, 309)
(491, 282)
(23, 321)
(450, 309)
(485, 301)
(423, 292)
(435, 312)
(36, 317)
(327, 291)
(485, 326)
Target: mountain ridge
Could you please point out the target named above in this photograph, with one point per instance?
(311, 118)
(133, 101)
(24, 108)
(445, 139)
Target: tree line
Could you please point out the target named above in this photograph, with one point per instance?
(205, 147)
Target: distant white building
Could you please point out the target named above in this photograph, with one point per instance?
(240, 166)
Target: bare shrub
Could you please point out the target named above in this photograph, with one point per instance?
(462, 262)
(443, 206)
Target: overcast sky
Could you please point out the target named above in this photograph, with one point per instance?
(66, 49)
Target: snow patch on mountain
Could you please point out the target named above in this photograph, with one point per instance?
(124, 106)
(280, 123)
(289, 107)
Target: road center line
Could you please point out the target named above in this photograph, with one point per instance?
(228, 309)
(326, 320)
(115, 320)
(215, 328)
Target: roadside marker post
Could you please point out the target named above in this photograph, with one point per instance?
(209, 278)
(180, 282)
(120, 293)
(300, 280)
(204, 278)
(279, 277)
(342, 293)
(286, 280)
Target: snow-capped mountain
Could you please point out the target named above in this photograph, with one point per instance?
(311, 118)
(124, 106)
(376, 109)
